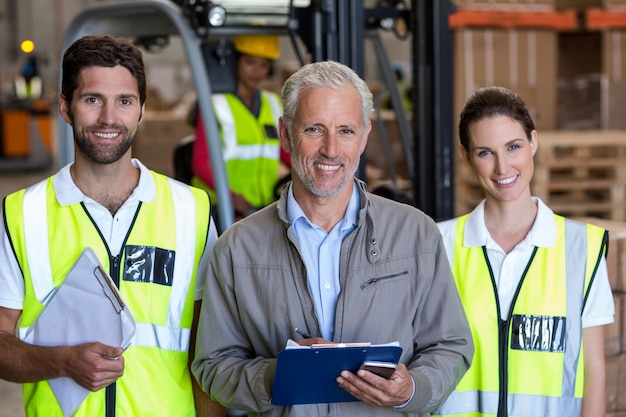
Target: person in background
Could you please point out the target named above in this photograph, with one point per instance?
(248, 121)
(28, 83)
(112, 203)
(534, 284)
(336, 261)
(403, 89)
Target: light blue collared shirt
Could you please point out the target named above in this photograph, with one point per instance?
(321, 252)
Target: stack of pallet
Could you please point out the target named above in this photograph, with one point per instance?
(582, 173)
(591, 87)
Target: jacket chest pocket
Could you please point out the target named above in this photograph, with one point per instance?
(384, 279)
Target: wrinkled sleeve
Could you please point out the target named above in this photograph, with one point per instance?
(225, 365)
(443, 341)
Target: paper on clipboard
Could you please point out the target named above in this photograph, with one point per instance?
(87, 307)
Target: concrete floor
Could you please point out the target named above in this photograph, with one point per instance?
(11, 404)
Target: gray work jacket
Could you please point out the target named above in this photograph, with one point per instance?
(396, 284)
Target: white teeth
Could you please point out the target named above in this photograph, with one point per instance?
(507, 180)
(327, 167)
(106, 135)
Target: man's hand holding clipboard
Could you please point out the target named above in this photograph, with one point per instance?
(324, 363)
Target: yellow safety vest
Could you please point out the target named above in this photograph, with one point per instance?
(250, 147)
(171, 232)
(530, 364)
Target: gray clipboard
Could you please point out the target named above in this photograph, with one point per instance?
(86, 307)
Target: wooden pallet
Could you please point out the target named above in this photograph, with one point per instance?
(582, 173)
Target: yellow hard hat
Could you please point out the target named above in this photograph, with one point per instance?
(265, 46)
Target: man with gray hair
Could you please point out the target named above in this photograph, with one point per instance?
(336, 261)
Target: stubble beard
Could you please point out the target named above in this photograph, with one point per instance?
(308, 181)
(99, 153)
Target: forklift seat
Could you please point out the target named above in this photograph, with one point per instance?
(182, 159)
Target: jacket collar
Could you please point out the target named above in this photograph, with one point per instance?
(364, 219)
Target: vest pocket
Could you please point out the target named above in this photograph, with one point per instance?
(538, 333)
(149, 264)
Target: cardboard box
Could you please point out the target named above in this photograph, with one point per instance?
(613, 103)
(580, 102)
(524, 61)
(592, 80)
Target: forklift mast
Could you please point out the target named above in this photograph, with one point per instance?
(331, 30)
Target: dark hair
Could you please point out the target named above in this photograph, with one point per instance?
(491, 102)
(101, 51)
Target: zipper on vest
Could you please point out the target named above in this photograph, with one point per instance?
(373, 281)
(114, 271)
(110, 393)
(503, 335)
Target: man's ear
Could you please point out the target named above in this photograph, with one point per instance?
(285, 143)
(366, 135)
(64, 109)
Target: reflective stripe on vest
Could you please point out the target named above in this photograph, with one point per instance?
(574, 242)
(232, 149)
(156, 378)
(250, 146)
(167, 336)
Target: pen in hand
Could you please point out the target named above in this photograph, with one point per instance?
(303, 333)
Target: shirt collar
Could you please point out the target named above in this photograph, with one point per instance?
(294, 212)
(68, 193)
(541, 234)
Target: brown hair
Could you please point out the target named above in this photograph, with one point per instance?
(101, 51)
(491, 102)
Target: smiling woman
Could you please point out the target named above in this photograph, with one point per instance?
(518, 264)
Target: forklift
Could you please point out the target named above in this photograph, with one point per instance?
(329, 30)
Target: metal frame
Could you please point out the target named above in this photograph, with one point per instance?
(332, 29)
(433, 180)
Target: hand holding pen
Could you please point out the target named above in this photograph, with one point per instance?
(302, 333)
(308, 339)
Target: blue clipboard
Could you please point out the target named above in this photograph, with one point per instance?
(308, 376)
